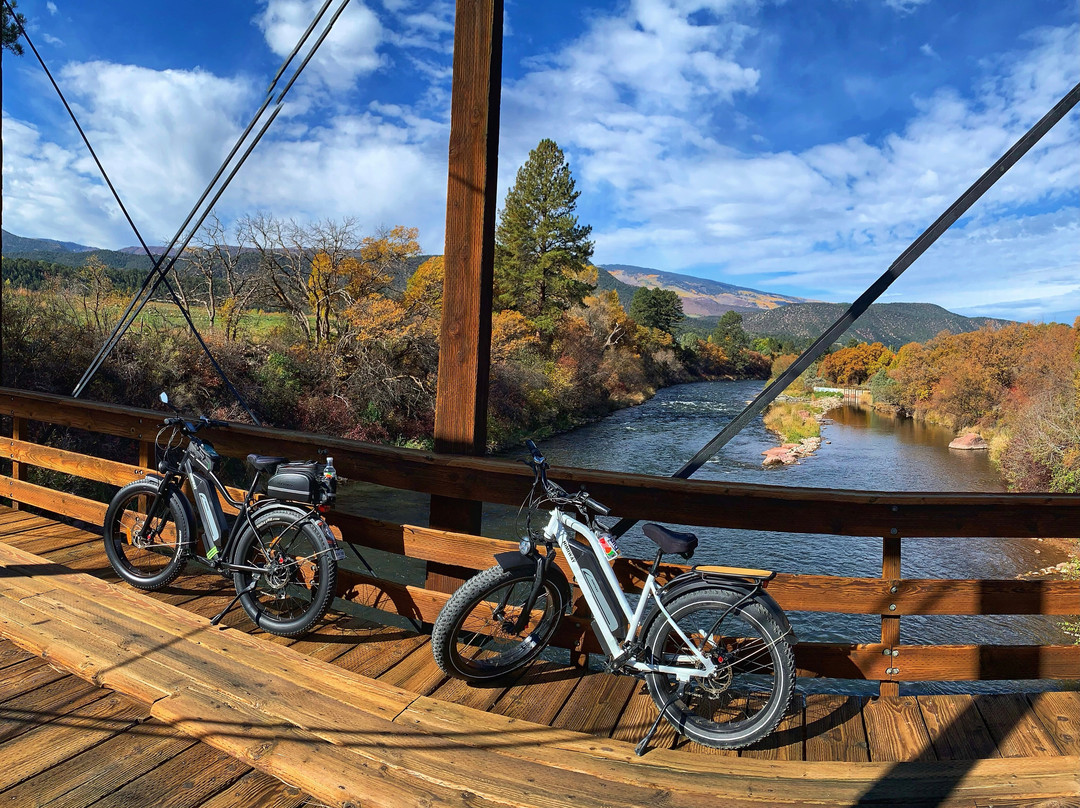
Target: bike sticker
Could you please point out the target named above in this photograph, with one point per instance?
(213, 552)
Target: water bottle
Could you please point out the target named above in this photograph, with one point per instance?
(329, 480)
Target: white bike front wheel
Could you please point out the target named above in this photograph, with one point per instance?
(480, 634)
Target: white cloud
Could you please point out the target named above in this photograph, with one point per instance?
(161, 135)
(351, 49)
(905, 6)
(51, 8)
(831, 217)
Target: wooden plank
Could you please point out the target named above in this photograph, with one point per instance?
(375, 655)
(788, 740)
(1017, 732)
(47, 703)
(25, 676)
(962, 662)
(11, 654)
(834, 729)
(828, 593)
(1060, 715)
(400, 772)
(481, 696)
(596, 704)
(258, 789)
(54, 501)
(763, 781)
(540, 693)
(890, 621)
(60, 537)
(25, 521)
(9, 517)
(165, 625)
(96, 772)
(416, 673)
(637, 717)
(49, 745)
(697, 502)
(18, 471)
(469, 262)
(183, 781)
(895, 729)
(78, 465)
(956, 728)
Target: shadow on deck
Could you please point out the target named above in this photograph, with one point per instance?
(357, 712)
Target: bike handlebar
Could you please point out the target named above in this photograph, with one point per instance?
(194, 426)
(555, 491)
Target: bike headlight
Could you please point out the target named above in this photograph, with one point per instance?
(525, 546)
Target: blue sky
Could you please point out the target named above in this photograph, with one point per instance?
(796, 147)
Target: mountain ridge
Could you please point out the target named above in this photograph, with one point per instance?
(701, 297)
(764, 313)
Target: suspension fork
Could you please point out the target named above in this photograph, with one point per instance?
(542, 564)
(154, 508)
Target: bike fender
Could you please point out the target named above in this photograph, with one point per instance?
(515, 560)
(691, 581)
(276, 504)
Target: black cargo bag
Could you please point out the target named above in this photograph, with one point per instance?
(296, 482)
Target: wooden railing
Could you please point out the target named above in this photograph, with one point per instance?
(857, 514)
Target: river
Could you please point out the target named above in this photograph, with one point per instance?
(861, 450)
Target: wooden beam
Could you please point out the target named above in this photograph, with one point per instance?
(711, 503)
(18, 470)
(890, 623)
(465, 336)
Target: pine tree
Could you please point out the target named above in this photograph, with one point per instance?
(9, 29)
(657, 308)
(542, 252)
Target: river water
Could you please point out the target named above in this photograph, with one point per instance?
(861, 450)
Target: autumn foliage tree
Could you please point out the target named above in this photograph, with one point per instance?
(855, 365)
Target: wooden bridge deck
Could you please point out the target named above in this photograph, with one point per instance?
(359, 712)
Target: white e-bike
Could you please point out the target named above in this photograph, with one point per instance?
(714, 648)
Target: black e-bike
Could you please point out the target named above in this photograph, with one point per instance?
(278, 550)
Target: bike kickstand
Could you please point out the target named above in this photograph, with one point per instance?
(643, 744)
(218, 617)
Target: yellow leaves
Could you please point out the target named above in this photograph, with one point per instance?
(378, 318)
(425, 288)
(512, 335)
(856, 364)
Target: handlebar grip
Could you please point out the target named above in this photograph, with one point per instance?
(603, 510)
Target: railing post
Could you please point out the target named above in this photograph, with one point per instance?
(468, 265)
(890, 624)
(18, 470)
(146, 454)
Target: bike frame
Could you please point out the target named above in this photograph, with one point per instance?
(205, 487)
(560, 527)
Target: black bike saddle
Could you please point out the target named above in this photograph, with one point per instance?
(669, 540)
(264, 463)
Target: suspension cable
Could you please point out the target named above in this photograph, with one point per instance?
(171, 254)
(906, 259)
